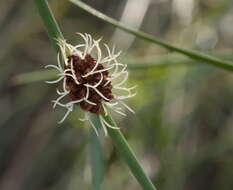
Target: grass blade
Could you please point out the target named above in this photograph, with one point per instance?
(133, 64)
(97, 158)
(128, 155)
(49, 21)
(190, 53)
(35, 76)
(118, 139)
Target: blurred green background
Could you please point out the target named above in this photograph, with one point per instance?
(183, 126)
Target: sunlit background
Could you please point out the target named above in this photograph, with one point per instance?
(182, 131)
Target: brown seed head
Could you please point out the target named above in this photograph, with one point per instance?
(78, 91)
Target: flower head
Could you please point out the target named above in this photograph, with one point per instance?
(91, 80)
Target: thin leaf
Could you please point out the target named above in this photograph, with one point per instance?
(118, 139)
(97, 157)
(133, 64)
(190, 53)
(30, 77)
(50, 23)
(128, 155)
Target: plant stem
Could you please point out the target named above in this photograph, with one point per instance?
(97, 157)
(128, 155)
(35, 76)
(49, 21)
(190, 53)
(118, 139)
(155, 62)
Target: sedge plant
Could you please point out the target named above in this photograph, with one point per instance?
(97, 81)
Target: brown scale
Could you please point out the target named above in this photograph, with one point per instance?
(78, 91)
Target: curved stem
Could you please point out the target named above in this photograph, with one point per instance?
(190, 53)
(118, 139)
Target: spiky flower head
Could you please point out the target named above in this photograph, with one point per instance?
(90, 79)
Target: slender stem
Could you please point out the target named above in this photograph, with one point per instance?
(35, 76)
(118, 139)
(97, 157)
(190, 53)
(133, 64)
(49, 21)
(128, 155)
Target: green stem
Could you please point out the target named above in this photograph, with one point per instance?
(97, 157)
(49, 21)
(42, 75)
(35, 76)
(128, 155)
(119, 141)
(133, 64)
(190, 53)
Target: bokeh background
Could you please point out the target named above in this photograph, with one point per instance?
(182, 131)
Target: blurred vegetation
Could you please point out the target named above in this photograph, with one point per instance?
(183, 126)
